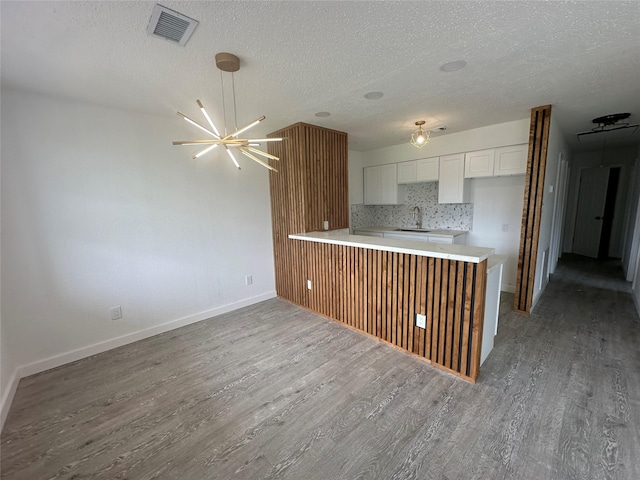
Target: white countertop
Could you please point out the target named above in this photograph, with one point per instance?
(440, 232)
(494, 261)
(463, 253)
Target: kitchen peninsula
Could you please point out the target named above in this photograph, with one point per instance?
(425, 298)
(428, 299)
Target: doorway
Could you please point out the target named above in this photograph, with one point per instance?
(596, 211)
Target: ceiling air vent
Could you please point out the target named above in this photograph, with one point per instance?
(170, 25)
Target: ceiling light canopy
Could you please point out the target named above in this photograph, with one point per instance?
(373, 95)
(419, 138)
(453, 66)
(227, 62)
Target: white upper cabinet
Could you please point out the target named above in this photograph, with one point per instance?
(427, 169)
(381, 185)
(511, 160)
(495, 162)
(453, 187)
(415, 171)
(407, 172)
(479, 164)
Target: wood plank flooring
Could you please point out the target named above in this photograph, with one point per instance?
(275, 392)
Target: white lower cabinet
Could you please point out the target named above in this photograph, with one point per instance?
(406, 236)
(367, 233)
(425, 237)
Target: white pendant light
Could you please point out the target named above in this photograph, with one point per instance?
(419, 138)
(228, 62)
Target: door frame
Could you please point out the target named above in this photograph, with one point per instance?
(578, 189)
(559, 207)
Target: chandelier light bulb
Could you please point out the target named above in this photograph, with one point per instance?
(227, 62)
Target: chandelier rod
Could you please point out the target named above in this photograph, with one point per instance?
(224, 108)
(235, 111)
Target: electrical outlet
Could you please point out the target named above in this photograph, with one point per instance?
(326, 224)
(116, 313)
(421, 320)
(248, 280)
(308, 284)
(505, 227)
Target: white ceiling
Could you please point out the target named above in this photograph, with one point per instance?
(302, 57)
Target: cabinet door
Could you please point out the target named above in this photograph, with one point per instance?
(406, 236)
(427, 169)
(439, 239)
(511, 160)
(407, 172)
(372, 186)
(452, 187)
(381, 185)
(368, 233)
(479, 164)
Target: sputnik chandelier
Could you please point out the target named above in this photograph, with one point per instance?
(227, 62)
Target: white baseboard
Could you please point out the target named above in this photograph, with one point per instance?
(83, 352)
(7, 397)
(507, 287)
(636, 300)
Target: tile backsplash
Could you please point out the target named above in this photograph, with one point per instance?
(455, 216)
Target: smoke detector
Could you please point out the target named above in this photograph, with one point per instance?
(170, 25)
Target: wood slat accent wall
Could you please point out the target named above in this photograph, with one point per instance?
(311, 186)
(379, 293)
(532, 207)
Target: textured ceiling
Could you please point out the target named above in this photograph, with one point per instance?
(302, 57)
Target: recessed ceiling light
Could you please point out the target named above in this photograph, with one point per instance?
(453, 66)
(373, 95)
(322, 114)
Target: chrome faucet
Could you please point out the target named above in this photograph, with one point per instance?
(417, 217)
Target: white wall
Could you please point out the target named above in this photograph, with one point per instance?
(630, 235)
(634, 272)
(631, 258)
(556, 145)
(497, 202)
(98, 210)
(502, 134)
(622, 157)
(491, 208)
(356, 186)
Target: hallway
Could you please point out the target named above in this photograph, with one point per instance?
(581, 345)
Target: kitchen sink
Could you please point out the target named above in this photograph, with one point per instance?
(417, 230)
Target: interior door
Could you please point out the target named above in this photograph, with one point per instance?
(591, 202)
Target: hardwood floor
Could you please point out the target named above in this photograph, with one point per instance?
(274, 391)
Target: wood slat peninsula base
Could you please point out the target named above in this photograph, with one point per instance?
(379, 290)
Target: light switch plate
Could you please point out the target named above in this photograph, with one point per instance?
(421, 321)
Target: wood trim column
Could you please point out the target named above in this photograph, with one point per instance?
(311, 186)
(532, 207)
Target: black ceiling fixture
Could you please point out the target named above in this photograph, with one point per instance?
(610, 123)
